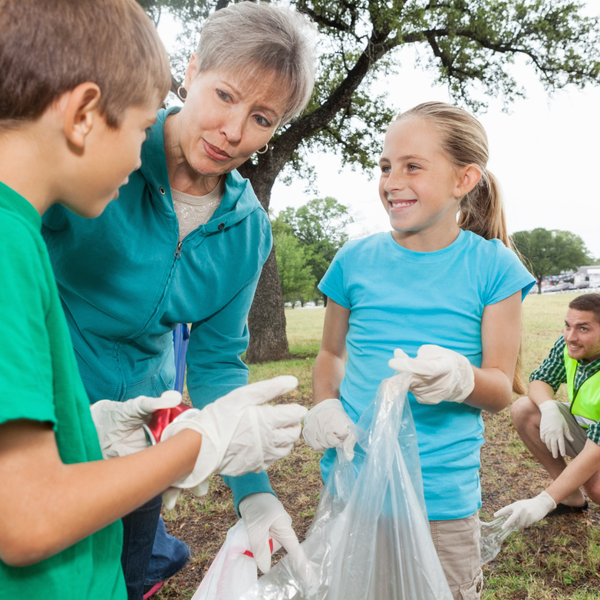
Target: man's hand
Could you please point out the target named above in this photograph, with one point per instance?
(526, 512)
(327, 425)
(119, 424)
(438, 374)
(554, 428)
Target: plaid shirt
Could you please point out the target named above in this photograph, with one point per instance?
(552, 371)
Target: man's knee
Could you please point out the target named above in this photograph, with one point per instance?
(592, 488)
(524, 413)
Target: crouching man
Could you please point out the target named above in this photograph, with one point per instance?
(552, 429)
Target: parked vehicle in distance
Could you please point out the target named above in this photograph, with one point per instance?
(559, 287)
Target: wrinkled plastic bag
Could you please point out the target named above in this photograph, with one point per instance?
(233, 571)
(370, 537)
(492, 536)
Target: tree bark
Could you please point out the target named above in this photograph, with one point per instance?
(266, 321)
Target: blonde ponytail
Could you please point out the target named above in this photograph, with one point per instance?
(464, 141)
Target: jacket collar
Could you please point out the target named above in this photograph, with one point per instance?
(239, 199)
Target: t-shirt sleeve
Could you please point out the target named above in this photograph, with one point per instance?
(26, 379)
(333, 284)
(552, 371)
(508, 277)
(593, 433)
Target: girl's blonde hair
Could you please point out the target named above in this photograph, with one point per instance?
(465, 142)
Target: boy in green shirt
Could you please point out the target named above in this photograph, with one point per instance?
(81, 82)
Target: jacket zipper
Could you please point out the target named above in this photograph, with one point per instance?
(178, 250)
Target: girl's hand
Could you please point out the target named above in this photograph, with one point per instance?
(438, 374)
(327, 425)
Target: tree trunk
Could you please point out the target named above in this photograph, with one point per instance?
(266, 321)
(539, 282)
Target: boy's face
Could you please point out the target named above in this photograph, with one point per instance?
(112, 154)
(582, 335)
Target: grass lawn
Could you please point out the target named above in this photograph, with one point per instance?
(556, 559)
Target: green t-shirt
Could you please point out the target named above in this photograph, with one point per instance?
(40, 381)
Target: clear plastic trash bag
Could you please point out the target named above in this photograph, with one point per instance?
(492, 536)
(233, 571)
(370, 537)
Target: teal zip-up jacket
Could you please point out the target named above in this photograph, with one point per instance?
(126, 282)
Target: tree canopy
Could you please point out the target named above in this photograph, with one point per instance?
(468, 45)
(320, 227)
(546, 252)
(295, 274)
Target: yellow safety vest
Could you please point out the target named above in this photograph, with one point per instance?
(585, 402)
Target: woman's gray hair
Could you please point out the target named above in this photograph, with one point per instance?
(250, 38)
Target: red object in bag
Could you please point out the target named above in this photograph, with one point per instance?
(160, 419)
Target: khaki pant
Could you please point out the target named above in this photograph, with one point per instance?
(457, 545)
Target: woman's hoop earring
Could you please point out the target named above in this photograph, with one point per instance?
(182, 93)
(263, 150)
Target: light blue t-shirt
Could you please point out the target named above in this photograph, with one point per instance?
(404, 299)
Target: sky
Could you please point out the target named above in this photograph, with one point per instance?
(545, 152)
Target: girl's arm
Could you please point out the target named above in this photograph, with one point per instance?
(329, 366)
(500, 341)
(47, 506)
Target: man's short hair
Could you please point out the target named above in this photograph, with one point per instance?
(587, 302)
(49, 47)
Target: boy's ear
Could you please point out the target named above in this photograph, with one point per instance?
(80, 111)
(468, 178)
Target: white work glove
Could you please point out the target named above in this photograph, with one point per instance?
(554, 428)
(526, 512)
(265, 517)
(238, 436)
(437, 374)
(119, 424)
(327, 425)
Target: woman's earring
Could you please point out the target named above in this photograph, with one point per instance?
(263, 150)
(182, 93)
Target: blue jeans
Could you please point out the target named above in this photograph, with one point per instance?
(149, 554)
(139, 529)
(169, 556)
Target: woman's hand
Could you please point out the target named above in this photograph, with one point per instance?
(265, 517)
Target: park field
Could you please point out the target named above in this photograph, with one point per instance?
(556, 559)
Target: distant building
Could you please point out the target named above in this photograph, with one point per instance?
(588, 274)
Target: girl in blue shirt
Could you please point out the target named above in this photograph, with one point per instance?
(440, 295)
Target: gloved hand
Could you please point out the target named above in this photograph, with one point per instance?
(119, 424)
(437, 374)
(327, 425)
(264, 517)
(238, 436)
(526, 512)
(554, 428)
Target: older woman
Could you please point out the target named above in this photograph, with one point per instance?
(185, 242)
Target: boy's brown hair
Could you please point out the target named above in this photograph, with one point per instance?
(589, 303)
(49, 47)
